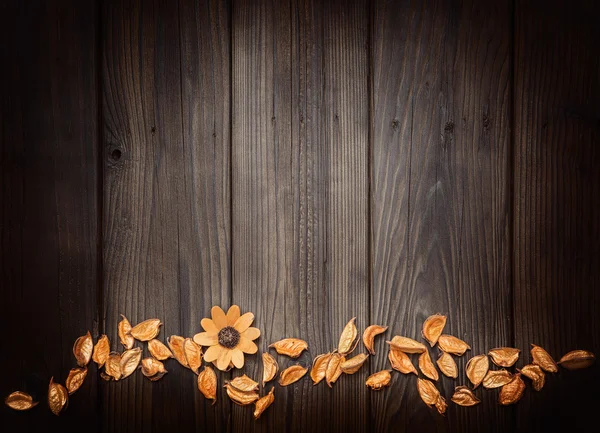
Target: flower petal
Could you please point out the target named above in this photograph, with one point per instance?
(206, 338)
(246, 345)
(251, 333)
(233, 314)
(224, 359)
(237, 357)
(209, 325)
(213, 352)
(244, 322)
(219, 317)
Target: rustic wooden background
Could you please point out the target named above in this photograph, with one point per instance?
(310, 161)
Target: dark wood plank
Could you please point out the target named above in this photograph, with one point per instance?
(166, 205)
(300, 208)
(440, 197)
(48, 212)
(557, 203)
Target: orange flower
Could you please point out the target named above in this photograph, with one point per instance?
(228, 336)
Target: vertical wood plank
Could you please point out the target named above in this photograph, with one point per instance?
(557, 193)
(440, 197)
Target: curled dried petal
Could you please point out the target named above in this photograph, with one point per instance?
(401, 362)
(319, 367)
(463, 396)
(112, 367)
(158, 350)
(427, 367)
(130, 359)
(263, 403)
(207, 383)
(348, 338)
(152, 367)
(291, 347)
(536, 374)
(433, 327)
(369, 336)
(241, 398)
(244, 383)
(75, 379)
(447, 365)
(353, 364)
(58, 397)
(543, 359)
(406, 345)
(512, 391)
(83, 348)
(441, 405)
(496, 378)
(477, 368)
(147, 330)
(504, 356)
(193, 354)
(577, 359)
(101, 351)
(378, 381)
(19, 400)
(453, 345)
(270, 368)
(176, 343)
(106, 377)
(334, 371)
(428, 392)
(292, 374)
(124, 328)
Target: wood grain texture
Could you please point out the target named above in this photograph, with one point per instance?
(557, 203)
(440, 197)
(166, 202)
(48, 211)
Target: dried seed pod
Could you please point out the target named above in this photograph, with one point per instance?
(263, 403)
(83, 348)
(130, 359)
(348, 338)
(101, 351)
(577, 359)
(124, 328)
(292, 374)
(406, 345)
(270, 368)
(441, 405)
(463, 396)
(176, 342)
(151, 367)
(353, 364)
(19, 400)
(106, 377)
(504, 356)
(427, 367)
(58, 397)
(75, 379)
(334, 371)
(244, 383)
(369, 336)
(433, 327)
(447, 365)
(453, 345)
(543, 359)
(291, 347)
(477, 368)
(512, 391)
(378, 381)
(158, 350)
(240, 397)
(147, 330)
(112, 367)
(428, 392)
(401, 362)
(496, 378)
(207, 383)
(536, 374)
(193, 354)
(319, 367)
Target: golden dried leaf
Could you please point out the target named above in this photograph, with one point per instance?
(240, 397)
(193, 354)
(401, 362)
(334, 371)
(447, 365)
(207, 383)
(112, 367)
(353, 364)
(543, 359)
(263, 403)
(577, 359)
(378, 381)
(270, 368)
(244, 383)
(291, 347)
(496, 378)
(153, 368)
(477, 368)
(433, 327)
(504, 356)
(319, 367)
(427, 367)
(441, 405)
(83, 348)
(369, 336)
(101, 351)
(19, 400)
(75, 379)
(130, 359)
(58, 397)
(453, 345)
(463, 396)
(512, 391)
(292, 374)
(348, 338)
(536, 374)
(147, 330)
(158, 350)
(428, 392)
(406, 345)
(176, 344)
(124, 328)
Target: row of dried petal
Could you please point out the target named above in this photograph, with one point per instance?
(263, 403)
(369, 336)
(291, 347)
(19, 400)
(292, 374)
(463, 396)
(75, 379)
(504, 356)
(378, 381)
(354, 364)
(270, 368)
(348, 338)
(58, 397)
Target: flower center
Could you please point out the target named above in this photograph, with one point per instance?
(229, 337)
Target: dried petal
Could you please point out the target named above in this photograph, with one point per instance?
(263, 403)
(427, 367)
(83, 348)
(334, 370)
(112, 367)
(19, 400)
(453, 345)
(512, 391)
(158, 350)
(543, 359)
(75, 379)
(101, 351)
(58, 397)
(504, 356)
(176, 344)
(240, 397)
(433, 327)
(447, 365)
(369, 336)
(378, 381)
(353, 364)
(441, 405)
(106, 377)
(536, 374)
(270, 368)
(193, 354)
(124, 335)
(319, 367)
(207, 383)
(348, 338)
(130, 359)
(401, 362)
(146, 330)
(292, 374)
(477, 368)
(244, 383)
(152, 367)
(496, 378)
(577, 359)
(428, 392)
(406, 345)
(463, 396)
(291, 347)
